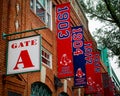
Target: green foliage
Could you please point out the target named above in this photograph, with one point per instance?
(108, 12)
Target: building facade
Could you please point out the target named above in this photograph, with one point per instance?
(24, 18)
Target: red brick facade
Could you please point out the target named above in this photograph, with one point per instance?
(21, 83)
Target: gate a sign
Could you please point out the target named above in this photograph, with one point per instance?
(24, 55)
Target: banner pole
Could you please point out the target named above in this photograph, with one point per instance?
(5, 35)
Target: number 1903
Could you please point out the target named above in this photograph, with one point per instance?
(63, 25)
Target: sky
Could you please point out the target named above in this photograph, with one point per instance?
(115, 66)
(92, 26)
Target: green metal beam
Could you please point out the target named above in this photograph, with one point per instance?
(5, 35)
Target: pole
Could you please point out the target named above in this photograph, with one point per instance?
(5, 35)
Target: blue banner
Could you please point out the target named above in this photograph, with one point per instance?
(78, 57)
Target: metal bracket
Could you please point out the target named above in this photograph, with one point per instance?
(4, 35)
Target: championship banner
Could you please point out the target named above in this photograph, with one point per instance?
(90, 73)
(64, 44)
(98, 74)
(105, 78)
(78, 56)
(111, 88)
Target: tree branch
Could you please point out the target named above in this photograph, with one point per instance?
(112, 12)
(100, 17)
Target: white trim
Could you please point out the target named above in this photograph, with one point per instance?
(50, 58)
(65, 85)
(51, 27)
(43, 74)
(34, 6)
(79, 92)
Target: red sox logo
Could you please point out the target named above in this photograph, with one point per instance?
(80, 73)
(64, 60)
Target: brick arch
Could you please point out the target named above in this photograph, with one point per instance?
(50, 82)
(63, 94)
(14, 84)
(69, 90)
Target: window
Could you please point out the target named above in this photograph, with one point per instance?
(46, 58)
(40, 89)
(43, 9)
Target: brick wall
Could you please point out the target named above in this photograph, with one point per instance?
(27, 20)
(3, 28)
(21, 83)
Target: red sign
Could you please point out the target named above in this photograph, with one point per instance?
(64, 44)
(98, 74)
(111, 87)
(90, 73)
(105, 78)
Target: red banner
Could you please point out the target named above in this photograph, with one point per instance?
(64, 44)
(90, 73)
(106, 86)
(111, 87)
(98, 74)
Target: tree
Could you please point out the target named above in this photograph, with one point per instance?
(107, 12)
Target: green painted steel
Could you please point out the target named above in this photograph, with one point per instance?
(25, 31)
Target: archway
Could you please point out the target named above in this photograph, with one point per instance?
(63, 94)
(40, 89)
